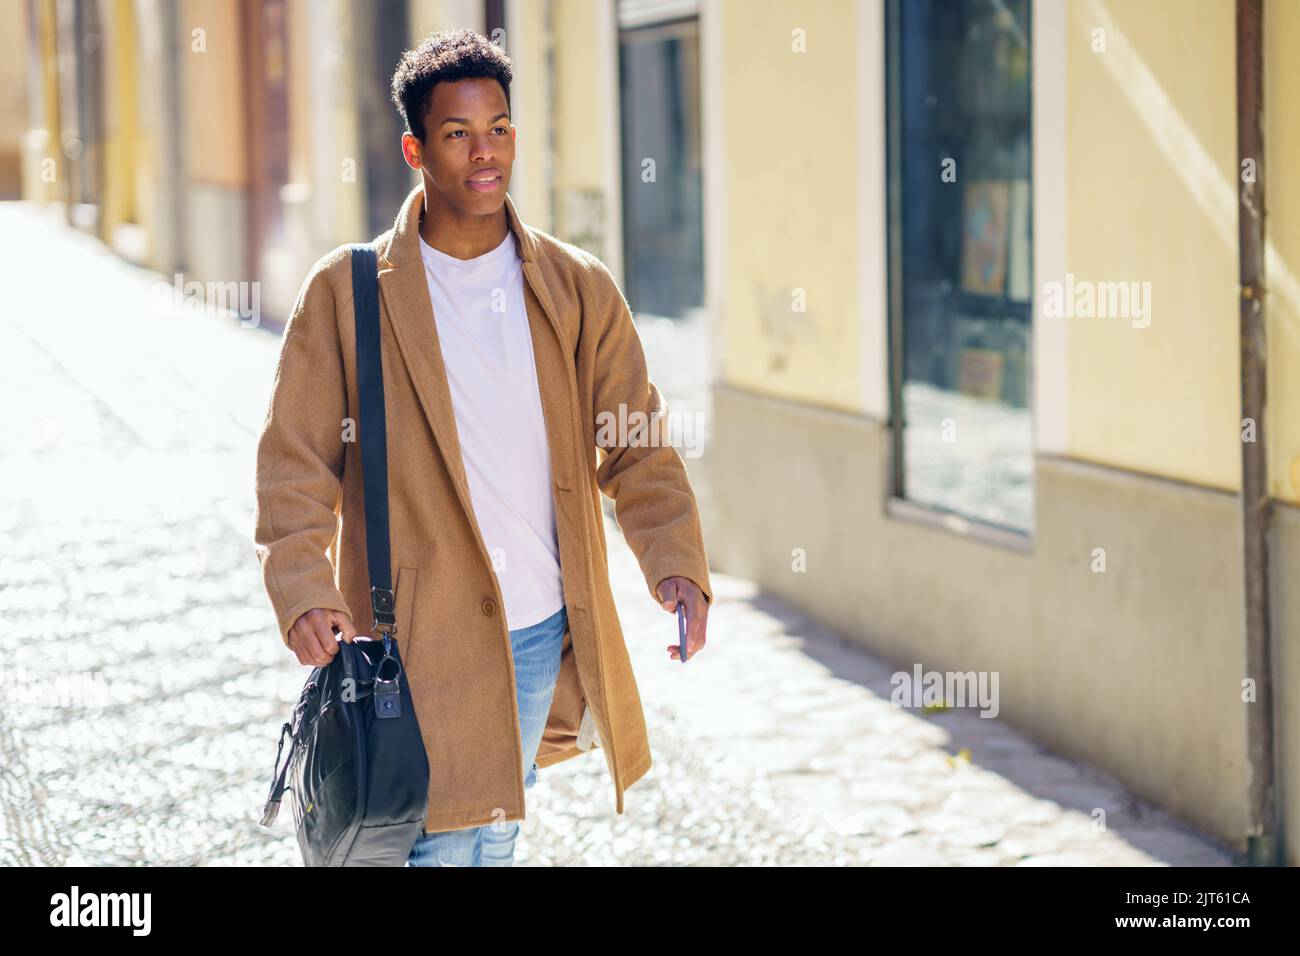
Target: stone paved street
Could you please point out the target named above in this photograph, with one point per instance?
(145, 685)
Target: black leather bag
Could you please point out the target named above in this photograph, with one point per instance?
(357, 767)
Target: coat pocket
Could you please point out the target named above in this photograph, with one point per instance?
(404, 598)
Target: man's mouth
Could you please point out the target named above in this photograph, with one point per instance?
(485, 182)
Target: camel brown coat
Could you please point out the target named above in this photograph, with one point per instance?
(310, 530)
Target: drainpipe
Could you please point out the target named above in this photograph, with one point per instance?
(1262, 843)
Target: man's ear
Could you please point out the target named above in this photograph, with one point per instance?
(411, 151)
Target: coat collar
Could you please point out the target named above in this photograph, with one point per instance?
(403, 244)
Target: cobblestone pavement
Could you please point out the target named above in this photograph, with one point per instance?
(145, 685)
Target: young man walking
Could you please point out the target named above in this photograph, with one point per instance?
(516, 394)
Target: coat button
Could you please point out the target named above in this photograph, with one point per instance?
(489, 606)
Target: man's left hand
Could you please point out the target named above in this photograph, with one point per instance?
(672, 590)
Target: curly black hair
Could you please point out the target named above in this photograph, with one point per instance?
(442, 57)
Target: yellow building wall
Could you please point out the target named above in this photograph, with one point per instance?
(44, 172)
(124, 155)
(13, 100)
(581, 142)
(526, 45)
(1151, 147)
(791, 223)
(582, 134)
(1282, 226)
(214, 107)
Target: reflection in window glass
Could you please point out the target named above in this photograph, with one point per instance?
(960, 269)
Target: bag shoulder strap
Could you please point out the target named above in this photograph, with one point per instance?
(374, 439)
(374, 475)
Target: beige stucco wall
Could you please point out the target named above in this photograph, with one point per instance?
(791, 145)
(1151, 198)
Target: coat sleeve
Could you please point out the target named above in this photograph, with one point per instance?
(300, 460)
(639, 468)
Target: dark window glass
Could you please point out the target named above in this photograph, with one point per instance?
(959, 256)
(663, 209)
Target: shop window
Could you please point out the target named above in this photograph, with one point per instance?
(960, 270)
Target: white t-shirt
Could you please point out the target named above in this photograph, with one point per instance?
(487, 349)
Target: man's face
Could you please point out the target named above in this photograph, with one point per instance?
(469, 145)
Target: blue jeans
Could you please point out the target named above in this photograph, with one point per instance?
(536, 651)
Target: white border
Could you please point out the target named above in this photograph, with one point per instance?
(1050, 368)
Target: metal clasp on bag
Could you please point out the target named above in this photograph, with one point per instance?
(384, 606)
(387, 693)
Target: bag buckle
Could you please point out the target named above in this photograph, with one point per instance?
(388, 693)
(383, 604)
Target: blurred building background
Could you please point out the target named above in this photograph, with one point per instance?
(864, 205)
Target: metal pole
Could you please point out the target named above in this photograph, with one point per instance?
(1262, 843)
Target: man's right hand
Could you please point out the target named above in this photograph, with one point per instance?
(312, 635)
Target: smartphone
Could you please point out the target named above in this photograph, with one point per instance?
(681, 631)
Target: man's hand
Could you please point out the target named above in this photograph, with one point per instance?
(312, 635)
(670, 591)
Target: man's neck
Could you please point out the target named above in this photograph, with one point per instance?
(458, 235)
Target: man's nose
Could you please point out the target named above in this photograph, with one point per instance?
(482, 149)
